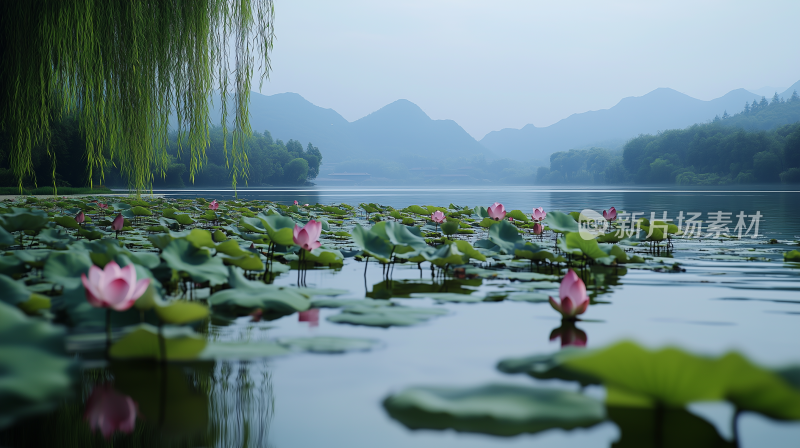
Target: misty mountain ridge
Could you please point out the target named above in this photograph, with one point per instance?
(658, 110)
(402, 129)
(394, 132)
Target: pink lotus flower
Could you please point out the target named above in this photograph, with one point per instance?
(537, 229)
(539, 214)
(311, 316)
(102, 205)
(110, 411)
(80, 217)
(497, 211)
(305, 205)
(307, 237)
(611, 214)
(573, 297)
(118, 223)
(295, 202)
(213, 205)
(438, 217)
(113, 287)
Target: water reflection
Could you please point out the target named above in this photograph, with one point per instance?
(311, 316)
(570, 335)
(226, 404)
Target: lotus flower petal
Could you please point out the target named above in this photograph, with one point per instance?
(537, 229)
(80, 217)
(496, 211)
(567, 307)
(307, 236)
(555, 305)
(118, 223)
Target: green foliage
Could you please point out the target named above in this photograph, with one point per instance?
(124, 109)
(503, 410)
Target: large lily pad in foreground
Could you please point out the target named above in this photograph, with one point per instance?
(503, 410)
(641, 378)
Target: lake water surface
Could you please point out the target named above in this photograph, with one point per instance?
(716, 306)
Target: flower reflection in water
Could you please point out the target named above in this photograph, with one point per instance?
(110, 411)
(311, 316)
(570, 335)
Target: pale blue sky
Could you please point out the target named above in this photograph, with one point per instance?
(498, 64)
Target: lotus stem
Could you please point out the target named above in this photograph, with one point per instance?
(162, 344)
(108, 332)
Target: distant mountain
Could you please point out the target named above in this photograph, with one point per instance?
(788, 92)
(658, 110)
(394, 132)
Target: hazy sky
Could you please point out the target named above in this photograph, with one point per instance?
(496, 64)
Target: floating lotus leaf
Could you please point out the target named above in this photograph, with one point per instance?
(561, 222)
(532, 251)
(236, 256)
(385, 316)
(16, 293)
(181, 312)
(198, 263)
(793, 255)
(548, 366)
(450, 297)
(23, 219)
(246, 295)
(6, 239)
(517, 215)
(533, 297)
(66, 221)
(35, 373)
(325, 257)
(103, 251)
(65, 268)
(404, 288)
(344, 303)
(450, 227)
(371, 243)
(181, 344)
(637, 377)
(497, 409)
(279, 228)
(252, 224)
(241, 351)
(141, 211)
(589, 248)
(329, 344)
(505, 235)
(402, 235)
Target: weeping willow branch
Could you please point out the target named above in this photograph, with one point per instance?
(126, 66)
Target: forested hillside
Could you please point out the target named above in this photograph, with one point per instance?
(729, 150)
(271, 162)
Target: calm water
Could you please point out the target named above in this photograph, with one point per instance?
(306, 400)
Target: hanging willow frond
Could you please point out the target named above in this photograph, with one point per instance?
(126, 66)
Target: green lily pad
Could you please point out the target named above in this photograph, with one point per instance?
(181, 344)
(450, 297)
(245, 296)
(181, 312)
(241, 351)
(505, 235)
(497, 409)
(65, 268)
(329, 344)
(561, 222)
(793, 255)
(385, 316)
(198, 263)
